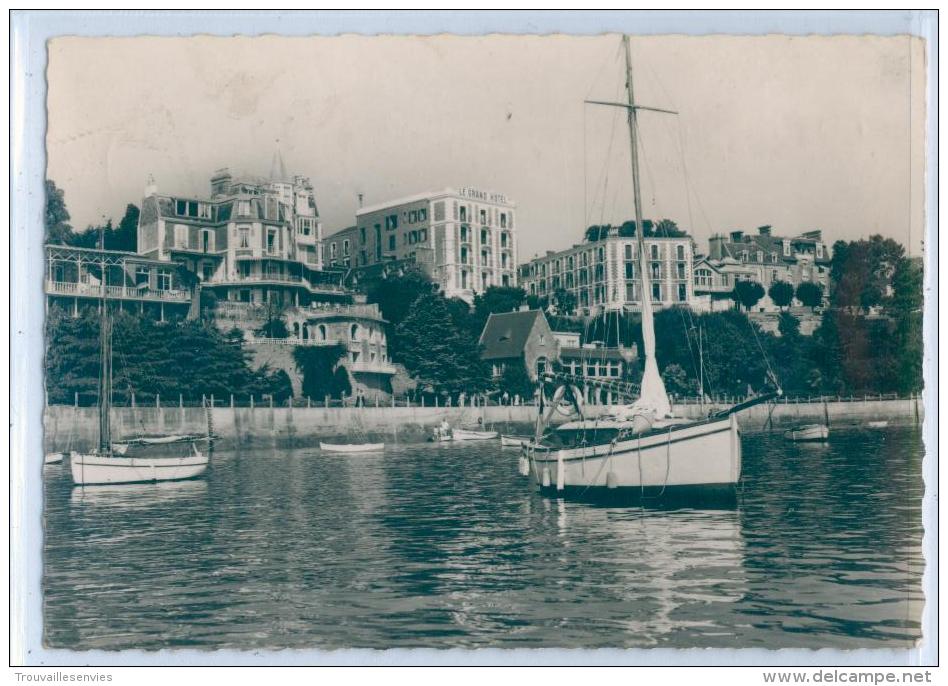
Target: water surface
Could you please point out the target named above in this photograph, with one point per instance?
(441, 545)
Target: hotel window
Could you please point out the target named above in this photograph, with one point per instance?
(628, 251)
(680, 251)
(181, 208)
(463, 213)
(142, 276)
(760, 255)
(485, 236)
(503, 260)
(332, 250)
(602, 254)
(391, 222)
(204, 210)
(569, 263)
(423, 215)
(744, 256)
(345, 247)
(483, 217)
(243, 235)
(819, 250)
(391, 243)
(180, 236)
(630, 270)
(682, 292)
(569, 279)
(503, 220)
(207, 271)
(503, 239)
(483, 257)
(505, 279)
(363, 258)
(681, 270)
(243, 208)
(599, 272)
(654, 252)
(271, 240)
(362, 235)
(786, 247)
(464, 234)
(163, 280)
(484, 280)
(773, 257)
(207, 240)
(656, 292)
(412, 217)
(656, 270)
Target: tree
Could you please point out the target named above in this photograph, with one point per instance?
(443, 358)
(747, 293)
(781, 292)
(677, 381)
(125, 237)
(564, 301)
(317, 365)
(58, 230)
(810, 294)
(395, 295)
(515, 381)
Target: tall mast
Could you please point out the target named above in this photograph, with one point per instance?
(105, 370)
(653, 388)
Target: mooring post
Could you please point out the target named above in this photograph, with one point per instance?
(133, 400)
(326, 401)
(75, 400)
(271, 401)
(232, 400)
(212, 400)
(251, 401)
(158, 400)
(309, 403)
(181, 400)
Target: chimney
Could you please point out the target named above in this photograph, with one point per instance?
(220, 182)
(737, 236)
(360, 201)
(763, 230)
(716, 247)
(151, 188)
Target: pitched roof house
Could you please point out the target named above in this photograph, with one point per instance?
(522, 337)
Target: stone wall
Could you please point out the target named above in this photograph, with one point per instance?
(262, 426)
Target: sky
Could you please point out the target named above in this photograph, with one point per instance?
(799, 133)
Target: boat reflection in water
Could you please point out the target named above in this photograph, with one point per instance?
(137, 496)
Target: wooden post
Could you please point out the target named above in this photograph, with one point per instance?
(251, 401)
(393, 400)
(158, 400)
(325, 401)
(181, 400)
(308, 402)
(212, 400)
(231, 399)
(75, 400)
(422, 401)
(376, 398)
(133, 400)
(271, 400)
(436, 401)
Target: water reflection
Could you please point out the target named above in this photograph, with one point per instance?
(446, 546)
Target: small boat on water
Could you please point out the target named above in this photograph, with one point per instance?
(877, 424)
(515, 441)
(467, 435)
(54, 458)
(351, 447)
(807, 432)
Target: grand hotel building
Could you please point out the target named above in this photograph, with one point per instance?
(603, 272)
(463, 238)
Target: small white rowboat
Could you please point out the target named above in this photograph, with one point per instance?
(351, 447)
(53, 458)
(464, 435)
(808, 432)
(515, 441)
(877, 425)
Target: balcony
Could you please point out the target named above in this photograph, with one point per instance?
(90, 290)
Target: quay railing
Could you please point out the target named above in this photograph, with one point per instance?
(244, 400)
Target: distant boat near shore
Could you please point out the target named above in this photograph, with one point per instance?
(880, 424)
(807, 432)
(351, 447)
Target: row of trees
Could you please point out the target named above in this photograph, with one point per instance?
(188, 358)
(748, 293)
(59, 231)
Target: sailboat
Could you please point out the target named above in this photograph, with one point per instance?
(641, 446)
(124, 463)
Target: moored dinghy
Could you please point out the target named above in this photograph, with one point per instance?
(467, 435)
(807, 432)
(351, 447)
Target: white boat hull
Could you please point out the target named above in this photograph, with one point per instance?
(93, 468)
(351, 448)
(811, 432)
(464, 435)
(699, 454)
(53, 458)
(877, 425)
(515, 441)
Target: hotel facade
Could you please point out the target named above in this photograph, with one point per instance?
(604, 272)
(464, 239)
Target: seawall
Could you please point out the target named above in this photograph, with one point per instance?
(77, 427)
